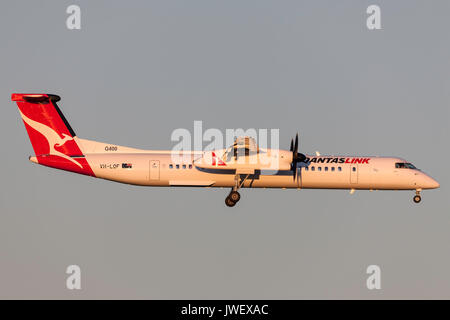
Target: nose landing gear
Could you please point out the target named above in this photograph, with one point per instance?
(417, 198)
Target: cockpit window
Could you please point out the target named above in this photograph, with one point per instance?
(410, 166)
(405, 165)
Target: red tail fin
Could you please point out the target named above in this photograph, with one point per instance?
(50, 134)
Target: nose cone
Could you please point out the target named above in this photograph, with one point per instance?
(430, 183)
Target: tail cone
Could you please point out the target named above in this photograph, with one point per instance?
(33, 159)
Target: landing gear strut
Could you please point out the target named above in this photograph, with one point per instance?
(234, 195)
(417, 197)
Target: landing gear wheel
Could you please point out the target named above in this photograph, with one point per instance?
(417, 198)
(234, 196)
(229, 202)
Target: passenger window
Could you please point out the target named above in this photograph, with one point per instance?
(171, 166)
(178, 166)
(332, 168)
(312, 168)
(319, 168)
(326, 168)
(184, 166)
(354, 169)
(190, 166)
(339, 169)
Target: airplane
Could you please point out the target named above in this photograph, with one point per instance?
(242, 165)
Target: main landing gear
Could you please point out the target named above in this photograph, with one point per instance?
(234, 196)
(229, 202)
(417, 197)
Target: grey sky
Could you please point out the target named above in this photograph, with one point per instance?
(137, 70)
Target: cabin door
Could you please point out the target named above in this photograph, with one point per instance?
(154, 169)
(353, 173)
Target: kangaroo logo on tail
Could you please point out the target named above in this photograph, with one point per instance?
(52, 137)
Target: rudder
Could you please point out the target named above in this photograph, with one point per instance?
(52, 137)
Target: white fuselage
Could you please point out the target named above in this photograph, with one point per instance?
(158, 168)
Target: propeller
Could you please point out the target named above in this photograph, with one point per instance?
(296, 157)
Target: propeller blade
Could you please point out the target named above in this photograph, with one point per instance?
(296, 158)
(296, 144)
(301, 157)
